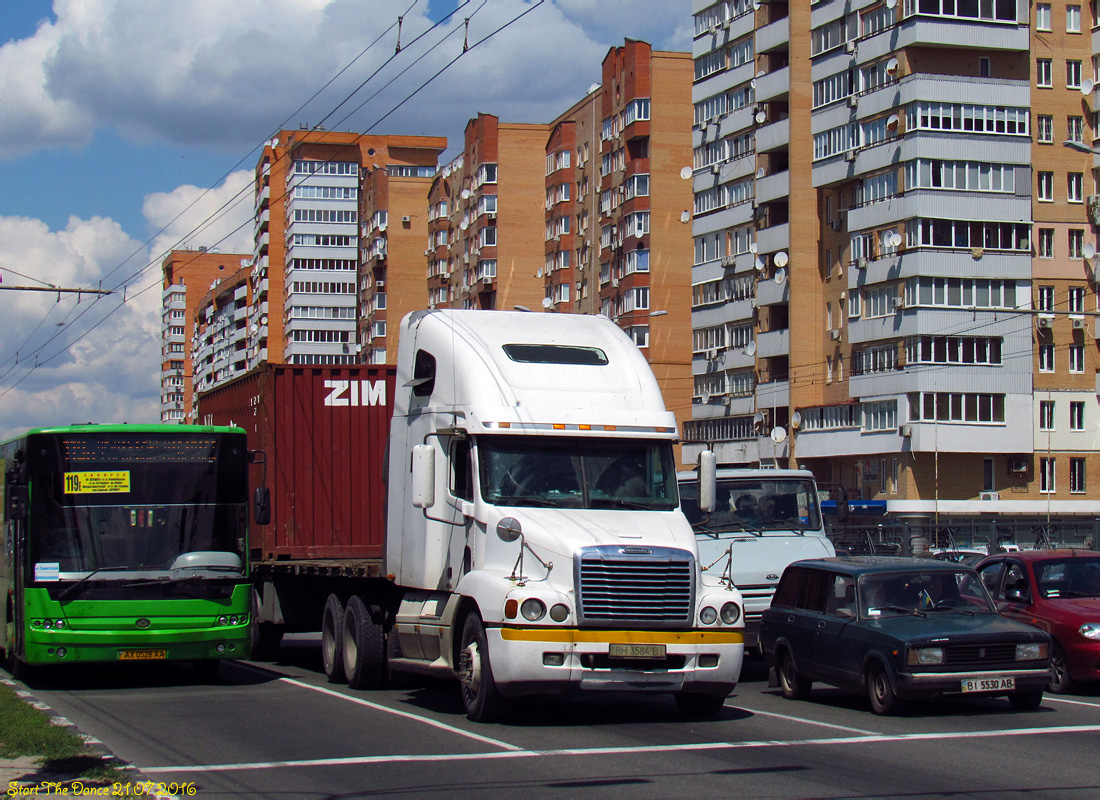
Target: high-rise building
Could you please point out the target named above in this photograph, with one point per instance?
(891, 284)
(617, 234)
(188, 275)
(220, 335)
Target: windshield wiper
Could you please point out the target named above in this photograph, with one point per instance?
(68, 591)
(901, 610)
(955, 609)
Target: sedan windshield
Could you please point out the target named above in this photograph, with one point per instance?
(914, 592)
(577, 472)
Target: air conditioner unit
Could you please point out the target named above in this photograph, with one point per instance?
(850, 47)
(905, 431)
(835, 224)
(1078, 321)
(861, 263)
(899, 304)
(989, 496)
(379, 284)
(490, 215)
(1045, 321)
(853, 101)
(849, 155)
(835, 334)
(728, 261)
(1017, 466)
(406, 219)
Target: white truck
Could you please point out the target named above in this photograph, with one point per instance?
(761, 521)
(532, 542)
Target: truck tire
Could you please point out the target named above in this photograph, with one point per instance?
(332, 639)
(364, 645)
(480, 697)
(264, 638)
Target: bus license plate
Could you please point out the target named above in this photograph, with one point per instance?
(990, 684)
(142, 655)
(637, 651)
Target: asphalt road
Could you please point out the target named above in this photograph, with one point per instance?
(279, 730)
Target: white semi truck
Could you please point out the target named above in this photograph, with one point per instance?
(533, 541)
(760, 521)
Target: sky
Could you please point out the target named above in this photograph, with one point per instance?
(126, 125)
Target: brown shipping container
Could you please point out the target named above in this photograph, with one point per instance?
(323, 432)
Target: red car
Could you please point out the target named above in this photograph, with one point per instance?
(1058, 591)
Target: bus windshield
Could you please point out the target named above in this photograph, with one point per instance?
(577, 472)
(119, 502)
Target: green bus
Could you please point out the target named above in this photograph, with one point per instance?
(125, 543)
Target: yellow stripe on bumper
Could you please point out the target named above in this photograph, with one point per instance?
(573, 635)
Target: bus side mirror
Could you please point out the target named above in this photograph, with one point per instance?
(17, 502)
(261, 506)
(708, 481)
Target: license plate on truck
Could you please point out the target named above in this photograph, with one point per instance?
(142, 655)
(992, 683)
(637, 651)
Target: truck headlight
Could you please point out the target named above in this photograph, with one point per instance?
(925, 656)
(1090, 630)
(1032, 651)
(731, 612)
(559, 612)
(708, 616)
(533, 609)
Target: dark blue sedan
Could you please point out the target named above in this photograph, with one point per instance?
(899, 629)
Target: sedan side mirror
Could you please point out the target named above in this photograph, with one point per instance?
(1016, 596)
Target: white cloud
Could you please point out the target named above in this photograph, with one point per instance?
(193, 217)
(56, 364)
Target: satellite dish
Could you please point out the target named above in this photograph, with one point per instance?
(1089, 249)
(685, 173)
(780, 276)
(752, 83)
(592, 88)
(539, 273)
(779, 435)
(705, 397)
(465, 194)
(760, 173)
(892, 66)
(547, 302)
(464, 224)
(275, 142)
(759, 264)
(761, 117)
(796, 421)
(382, 227)
(892, 122)
(263, 319)
(752, 247)
(895, 239)
(685, 216)
(891, 3)
(780, 258)
(1087, 86)
(758, 419)
(750, 349)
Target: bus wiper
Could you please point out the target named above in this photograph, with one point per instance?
(69, 591)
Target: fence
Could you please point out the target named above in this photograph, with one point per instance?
(917, 538)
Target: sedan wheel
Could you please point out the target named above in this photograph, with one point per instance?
(793, 685)
(881, 692)
(1060, 681)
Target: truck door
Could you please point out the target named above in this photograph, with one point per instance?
(461, 490)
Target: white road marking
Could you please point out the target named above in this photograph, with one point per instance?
(597, 751)
(1048, 699)
(803, 720)
(407, 715)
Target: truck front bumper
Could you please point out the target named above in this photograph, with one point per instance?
(549, 660)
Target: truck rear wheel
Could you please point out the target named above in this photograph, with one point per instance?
(482, 700)
(332, 639)
(364, 645)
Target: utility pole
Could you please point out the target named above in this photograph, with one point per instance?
(59, 289)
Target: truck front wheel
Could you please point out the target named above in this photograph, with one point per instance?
(482, 700)
(332, 639)
(364, 645)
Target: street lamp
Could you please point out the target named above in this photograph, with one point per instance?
(1080, 147)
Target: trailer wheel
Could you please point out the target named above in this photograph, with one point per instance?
(332, 639)
(264, 638)
(364, 645)
(482, 700)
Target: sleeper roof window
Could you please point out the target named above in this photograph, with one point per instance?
(555, 354)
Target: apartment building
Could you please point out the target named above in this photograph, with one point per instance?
(484, 217)
(188, 276)
(322, 210)
(891, 283)
(617, 232)
(219, 334)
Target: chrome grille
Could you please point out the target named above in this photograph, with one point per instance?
(634, 584)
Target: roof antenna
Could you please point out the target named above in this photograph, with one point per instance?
(399, 21)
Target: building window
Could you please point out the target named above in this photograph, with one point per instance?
(1046, 357)
(1077, 299)
(1073, 19)
(1042, 17)
(1077, 415)
(1045, 187)
(1044, 124)
(1046, 475)
(1046, 242)
(1076, 239)
(1046, 415)
(1077, 475)
(1073, 74)
(1043, 73)
(1077, 358)
(1045, 299)
(1075, 129)
(1075, 187)
(985, 67)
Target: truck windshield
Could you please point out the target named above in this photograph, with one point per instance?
(117, 502)
(763, 505)
(577, 472)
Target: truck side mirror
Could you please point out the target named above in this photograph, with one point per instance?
(708, 481)
(261, 506)
(423, 476)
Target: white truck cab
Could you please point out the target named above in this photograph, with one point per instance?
(762, 520)
(534, 528)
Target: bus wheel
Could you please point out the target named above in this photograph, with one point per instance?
(364, 645)
(332, 639)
